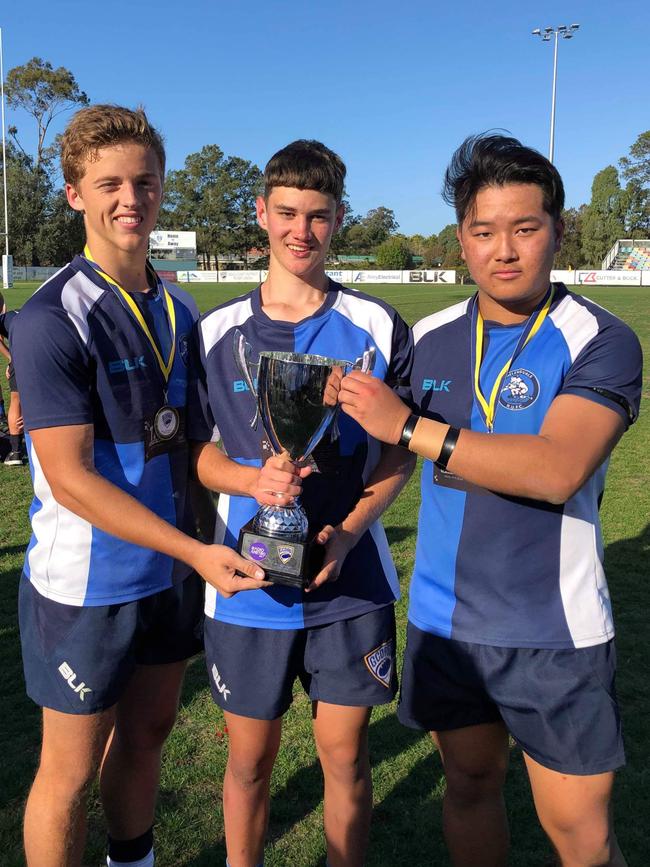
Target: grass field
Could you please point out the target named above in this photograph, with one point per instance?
(407, 776)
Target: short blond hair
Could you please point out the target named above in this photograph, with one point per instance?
(100, 126)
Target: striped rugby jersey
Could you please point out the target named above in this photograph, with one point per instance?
(81, 358)
(501, 570)
(347, 324)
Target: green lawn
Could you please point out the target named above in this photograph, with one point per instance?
(407, 774)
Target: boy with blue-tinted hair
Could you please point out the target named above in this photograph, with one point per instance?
(338, 637)
(510, 623)
(111, 595)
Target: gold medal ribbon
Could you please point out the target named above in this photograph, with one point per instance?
(165, 367)
(534, 324)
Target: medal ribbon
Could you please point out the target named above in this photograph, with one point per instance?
(165, 367)
(535, 322)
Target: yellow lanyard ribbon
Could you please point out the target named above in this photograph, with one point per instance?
(489, 407)
(165, 367)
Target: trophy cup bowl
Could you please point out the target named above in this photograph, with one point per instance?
(297, 402)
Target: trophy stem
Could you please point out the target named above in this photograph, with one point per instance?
(282, 522)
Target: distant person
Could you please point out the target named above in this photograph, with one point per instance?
(111, 597)
(338, 636)
(14, 418)
(521, 393)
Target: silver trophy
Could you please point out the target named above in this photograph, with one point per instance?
(296, 396)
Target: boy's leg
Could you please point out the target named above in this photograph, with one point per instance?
(130, 773)
(575, 813)
(475, 760)
(341, 735)
(55, 814)
(252, 748)
(15, 424)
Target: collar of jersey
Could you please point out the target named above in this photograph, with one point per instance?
(331, 295)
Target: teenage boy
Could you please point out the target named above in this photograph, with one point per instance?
(110, 599)
(510, 625)
(338, 636)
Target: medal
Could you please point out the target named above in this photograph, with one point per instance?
(167, 422)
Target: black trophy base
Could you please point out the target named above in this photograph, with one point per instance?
(284, 562)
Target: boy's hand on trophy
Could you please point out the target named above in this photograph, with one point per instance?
(338, 544)
(279, 481)
(226, 570)
(374, 405)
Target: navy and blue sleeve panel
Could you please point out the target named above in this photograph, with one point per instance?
(608, 368)
(53, 369)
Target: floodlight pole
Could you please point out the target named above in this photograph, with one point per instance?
(551, 145)
(545, 34)
(4, 152)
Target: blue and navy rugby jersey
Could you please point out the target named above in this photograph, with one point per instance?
(500, 570)
(81, 358)
(345, 326)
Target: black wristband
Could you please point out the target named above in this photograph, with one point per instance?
(407, 430)
(448, 445)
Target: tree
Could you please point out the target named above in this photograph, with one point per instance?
(215, 197)
(444, 251)
(378, 224)
(636, 167)
(394, 254)
(27, 192)
(43, 92)
(604, 218)
(570, 255)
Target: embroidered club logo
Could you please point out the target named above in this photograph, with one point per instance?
(285, 552)
(184, 349)
(519, 390)
(379, 663)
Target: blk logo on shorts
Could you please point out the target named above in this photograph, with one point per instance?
(221, 686)
(69, 675)
(379, 663)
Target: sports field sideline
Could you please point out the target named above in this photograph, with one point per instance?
(407, 821)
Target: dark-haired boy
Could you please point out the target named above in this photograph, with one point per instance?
(510, 626)
(339, 636)
(110, 598)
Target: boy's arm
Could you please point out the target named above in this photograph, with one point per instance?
(575, 438)
(392, 472)
(65, 454)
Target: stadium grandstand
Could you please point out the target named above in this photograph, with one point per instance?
(628, 255)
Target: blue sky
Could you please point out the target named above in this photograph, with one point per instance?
(393, 87)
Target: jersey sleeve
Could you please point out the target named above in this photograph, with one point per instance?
(608, 371)
(53, 370)
(401, 361)
(201, 425)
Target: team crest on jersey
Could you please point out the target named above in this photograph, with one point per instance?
(285, 552)
(379, 662)
(519, 389)
(184, 349)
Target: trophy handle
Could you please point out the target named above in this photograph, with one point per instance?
(366, 362)
(242, 350)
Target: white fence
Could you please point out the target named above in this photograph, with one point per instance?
(358, 278)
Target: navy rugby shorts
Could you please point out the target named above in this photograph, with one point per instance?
(79, 659)
(559, 705)
(350, 662)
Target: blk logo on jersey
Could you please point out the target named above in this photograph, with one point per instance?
(70, 676)
(125, 365)
(379, 663)
(519, 389)
(436, 384)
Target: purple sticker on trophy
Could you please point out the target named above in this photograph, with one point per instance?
(258, 551)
